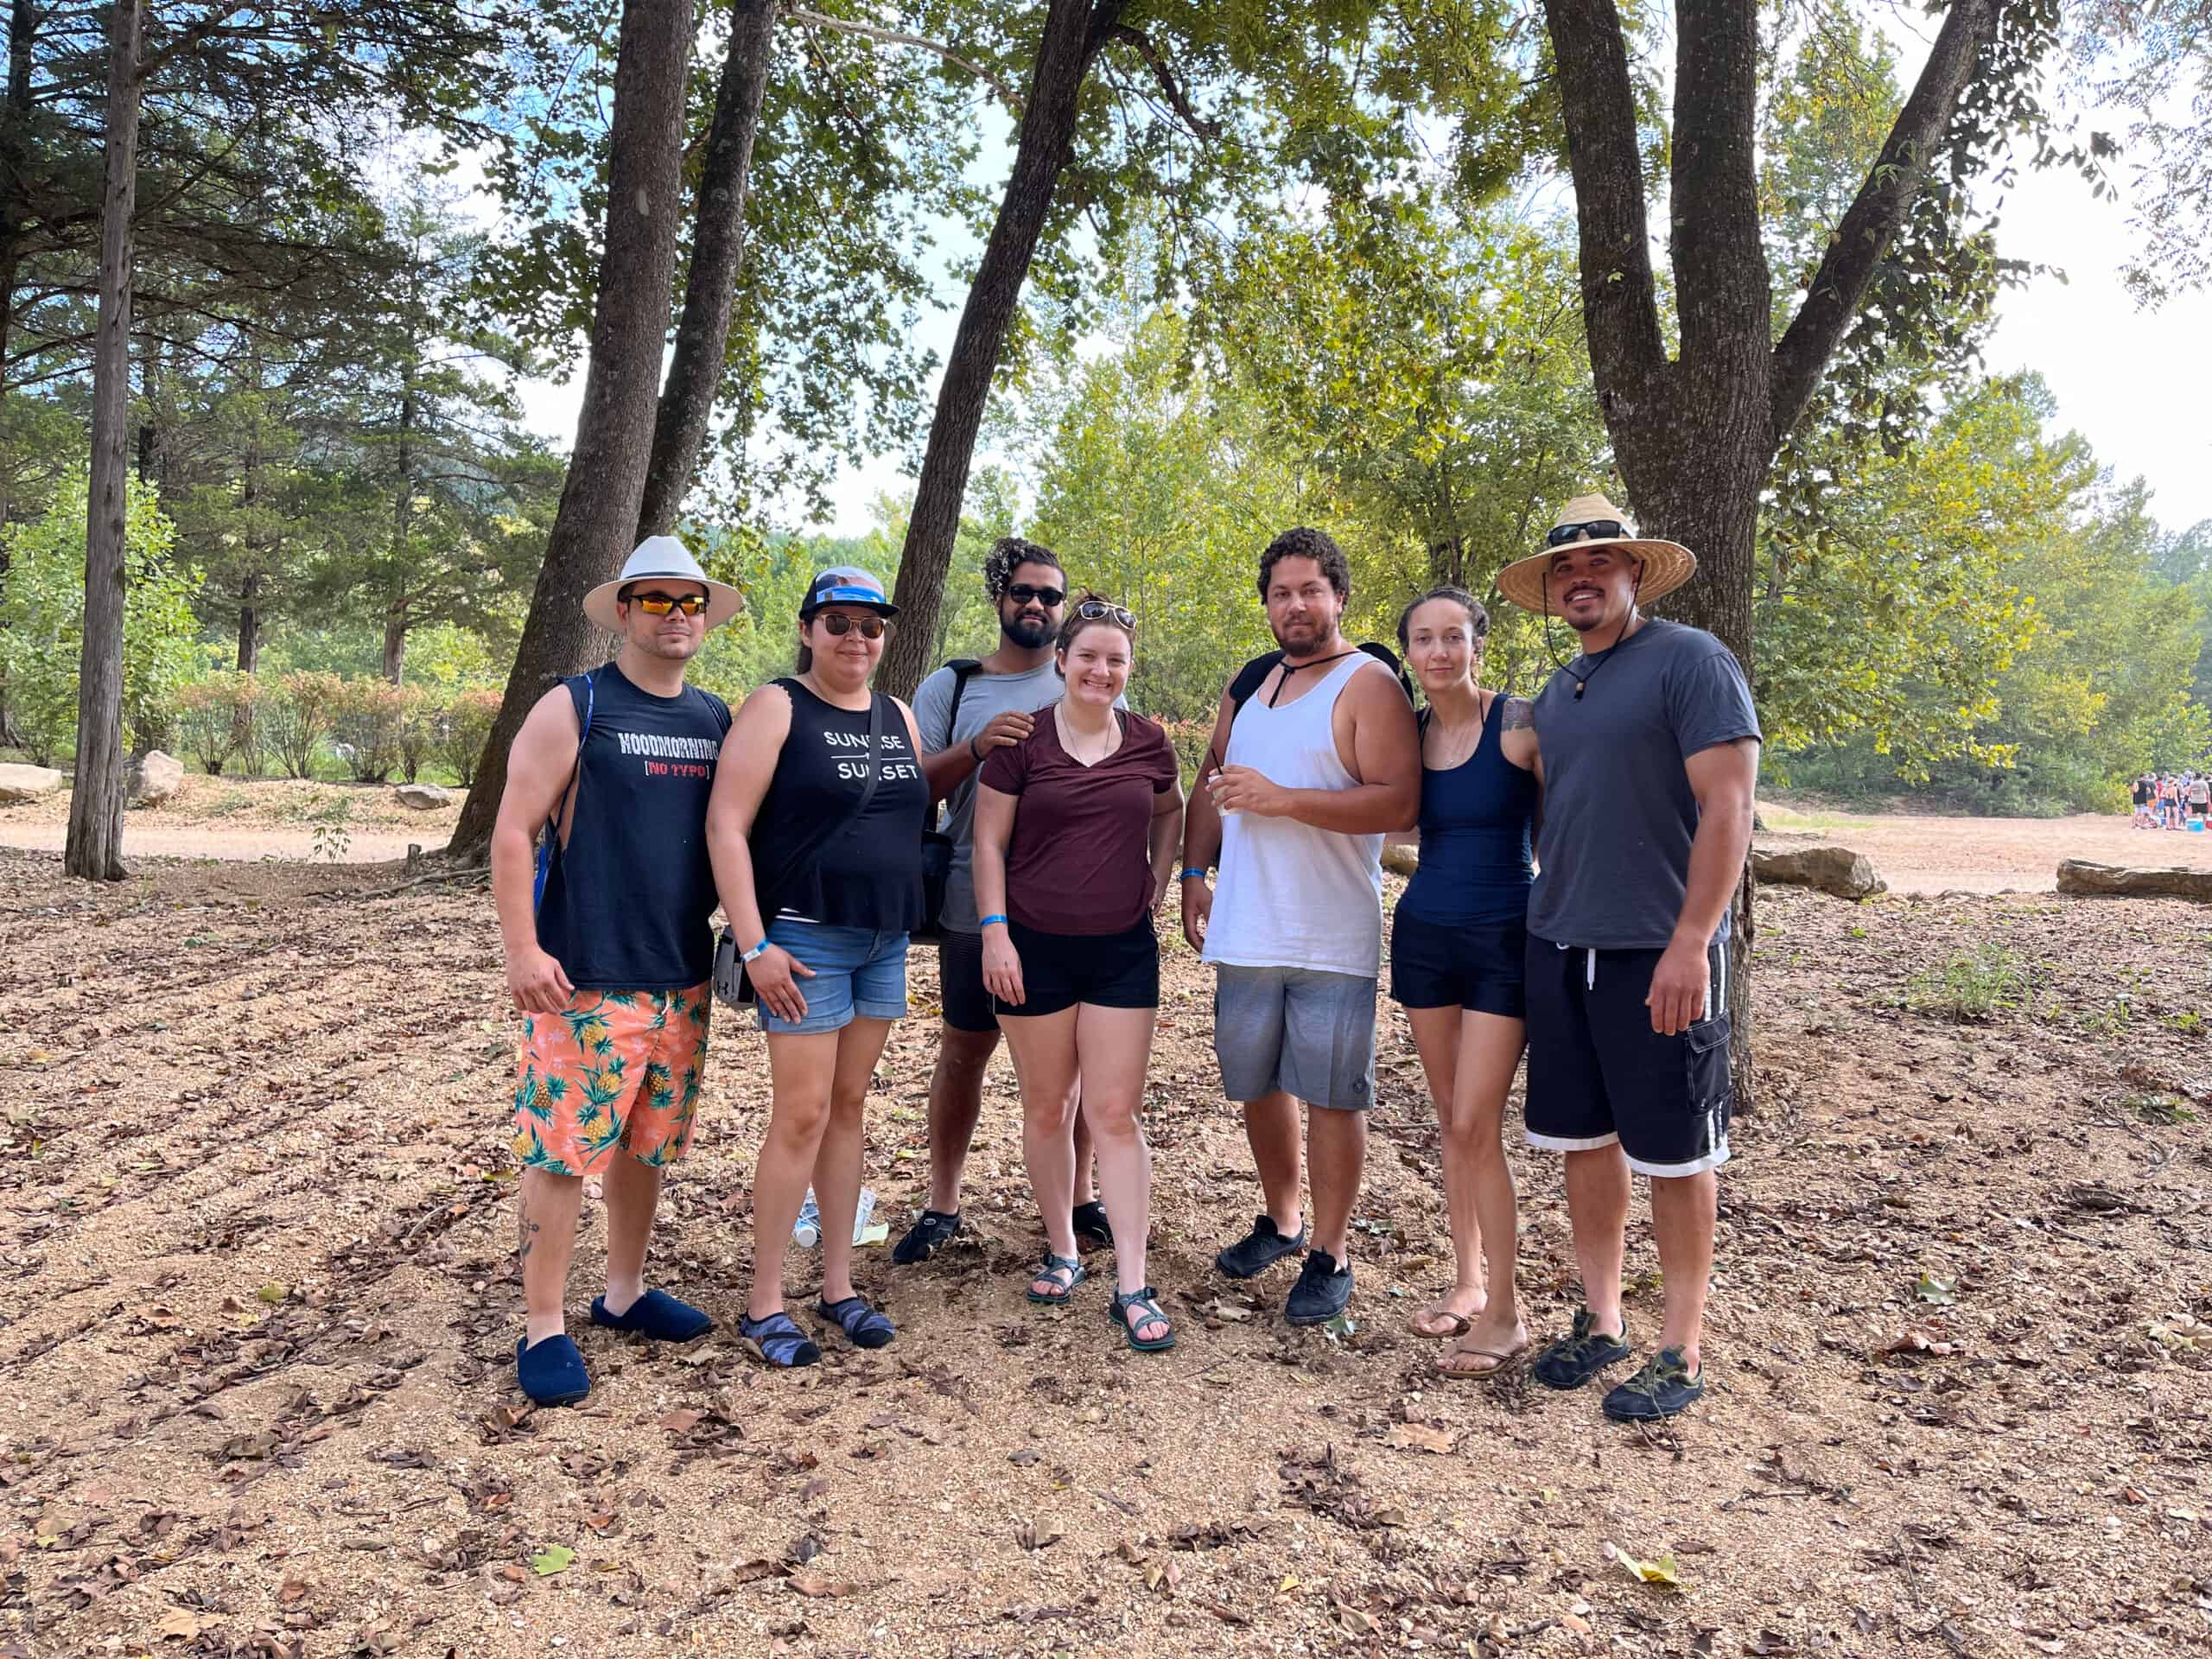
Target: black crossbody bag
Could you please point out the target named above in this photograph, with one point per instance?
(732, 985)
(937, 846)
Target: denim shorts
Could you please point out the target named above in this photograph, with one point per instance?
(859, 973)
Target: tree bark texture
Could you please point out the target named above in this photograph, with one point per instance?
(597, 519)
(694, 369)
(94, 847)
(249, 623)
(1695, 435)
(1074, 30)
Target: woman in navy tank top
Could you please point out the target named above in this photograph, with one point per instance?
(816, 832)
(1456, 959)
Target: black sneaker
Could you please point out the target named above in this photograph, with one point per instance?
(926, 1237)
(1322, 1290)
(1575, 1358)
(1091, 1226)
(1661, 1388)
(1258, 1250)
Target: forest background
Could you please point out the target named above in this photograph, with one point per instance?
(1303, 264)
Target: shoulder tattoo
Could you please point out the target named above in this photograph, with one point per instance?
(1520, 715)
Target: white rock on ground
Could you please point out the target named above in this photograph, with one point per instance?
(154, 778)
(27, 783)
(423, 798)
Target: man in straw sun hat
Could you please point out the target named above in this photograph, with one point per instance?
(1648, 747)
(609, 947)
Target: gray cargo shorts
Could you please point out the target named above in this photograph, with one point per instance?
(1307, 1032)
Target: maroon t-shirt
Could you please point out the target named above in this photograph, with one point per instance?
(1080, 859)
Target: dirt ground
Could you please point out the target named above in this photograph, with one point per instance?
(258, 1213)
(1924, 853)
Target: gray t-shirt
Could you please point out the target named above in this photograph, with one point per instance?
(1619, 812)
(985, 697)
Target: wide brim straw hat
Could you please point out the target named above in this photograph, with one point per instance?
(1666, 565)
(666, 558)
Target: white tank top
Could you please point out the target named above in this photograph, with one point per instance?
(1290, 895)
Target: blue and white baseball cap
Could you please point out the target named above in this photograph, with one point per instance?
(845, 584)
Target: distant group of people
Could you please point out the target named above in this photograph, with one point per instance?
(1060, 820)
(2171, 800)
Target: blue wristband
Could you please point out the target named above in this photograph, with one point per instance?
(987, 920)
(756, 952)
(1197, 870)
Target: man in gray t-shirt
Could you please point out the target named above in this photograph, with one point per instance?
(1648, 750)
(997, 699)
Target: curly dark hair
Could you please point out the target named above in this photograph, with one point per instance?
(1307, 543)
(1009, 553)
(1477, 618)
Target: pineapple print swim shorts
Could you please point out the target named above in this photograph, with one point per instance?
(614, 1071)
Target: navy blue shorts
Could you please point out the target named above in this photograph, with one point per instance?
(1476, 966)
(1598, 1074)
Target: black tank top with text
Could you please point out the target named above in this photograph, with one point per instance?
(629, 894)
(868, 872)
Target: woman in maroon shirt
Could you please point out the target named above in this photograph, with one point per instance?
(1076, 830)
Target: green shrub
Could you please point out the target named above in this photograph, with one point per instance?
(1977, 985)
(216, 717)
(420, 709)
(299, 716)
(366, 729)
(462, 727)
(42, 623)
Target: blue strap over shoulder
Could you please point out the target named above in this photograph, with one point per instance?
(549, 841)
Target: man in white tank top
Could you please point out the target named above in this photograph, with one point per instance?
(1304, 779)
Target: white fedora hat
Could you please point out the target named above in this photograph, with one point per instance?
(662, 556)
(1666, 565)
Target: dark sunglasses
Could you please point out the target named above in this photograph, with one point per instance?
(1095, 610)
(662, 604)
(1597, 530)
(1051, 598)
(840, 624)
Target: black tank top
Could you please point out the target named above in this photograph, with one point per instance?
(627, 898)
(868, 872)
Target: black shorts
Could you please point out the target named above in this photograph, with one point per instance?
(1108, 971)
(1476, 966)
(1597, 1072)
(960, 983)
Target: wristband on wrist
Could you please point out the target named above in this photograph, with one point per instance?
(756, 952)
(987, 920)
(974, 753)
(1198, 870)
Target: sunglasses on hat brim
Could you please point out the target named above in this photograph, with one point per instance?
(1592, 529)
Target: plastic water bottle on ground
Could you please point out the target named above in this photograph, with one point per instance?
(862, 1211)
(806, 1231)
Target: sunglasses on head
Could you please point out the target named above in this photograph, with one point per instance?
(840, 624)
(662, 604)
(1596, 530)
(1095, 610)
(1050, 598)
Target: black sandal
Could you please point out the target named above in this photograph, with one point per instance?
(1054, 1265)
(1091, 1226)
(1146, 1305)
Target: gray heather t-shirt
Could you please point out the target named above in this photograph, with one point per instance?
(1618, 813)
(985, 697)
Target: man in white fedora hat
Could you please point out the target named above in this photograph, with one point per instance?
(608, 947)
(1648, 747)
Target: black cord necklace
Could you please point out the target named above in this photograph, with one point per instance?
(1290, 668)
(1582, 681)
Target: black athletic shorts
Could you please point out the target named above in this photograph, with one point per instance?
(1476, 966)
(1597, 1072)
(1108, 971)
(960, 982)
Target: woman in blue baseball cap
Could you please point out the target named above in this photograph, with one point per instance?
(815, 829)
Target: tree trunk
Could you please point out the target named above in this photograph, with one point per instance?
(15, 164)
(395, 640)
(1074, 30)
(94, 847)
(598, 515)
(250, 623)
(694, 369)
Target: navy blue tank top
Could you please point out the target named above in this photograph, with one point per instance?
(868, 872)
(629, 896)
(1475, 823)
